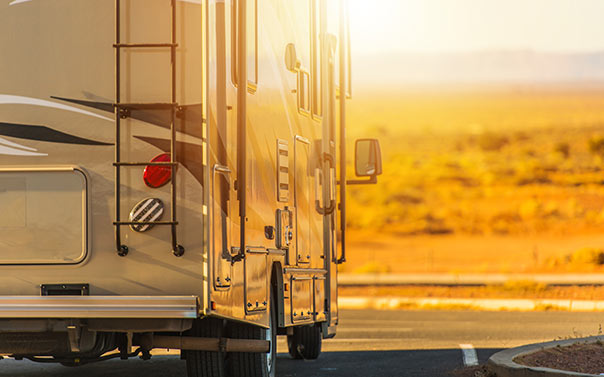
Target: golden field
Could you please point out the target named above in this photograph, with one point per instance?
(485, 179)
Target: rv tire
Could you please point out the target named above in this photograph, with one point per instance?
(205, 363)
(255, 364)
(305, 342)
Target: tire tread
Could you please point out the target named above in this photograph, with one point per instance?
(305, 343)
(203, 363)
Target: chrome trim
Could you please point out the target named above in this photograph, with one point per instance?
(28, 168)
(302, 278)
(302, 139)
(222, 169)
(98, 307)
(307, 271)
(257, 250)
(276, 252)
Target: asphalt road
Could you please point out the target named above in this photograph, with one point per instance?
(374, 343)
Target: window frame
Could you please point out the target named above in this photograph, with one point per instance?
(315, 58)
(252, 85)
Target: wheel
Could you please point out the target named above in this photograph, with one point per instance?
(305, 343)
(245, 364)
(205, 363)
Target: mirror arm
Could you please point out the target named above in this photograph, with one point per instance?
(371, 181)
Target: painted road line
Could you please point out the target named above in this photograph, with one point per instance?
(342, 329)
(466, 279)
(360, 340)
(394, 303)
(337, 340)
(470, 358)
(366, 322)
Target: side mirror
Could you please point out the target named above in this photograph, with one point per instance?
(368, 158)
(367, 161)
(291, 58)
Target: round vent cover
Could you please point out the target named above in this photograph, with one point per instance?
(147, 211)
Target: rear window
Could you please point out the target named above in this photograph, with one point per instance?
(44, 216)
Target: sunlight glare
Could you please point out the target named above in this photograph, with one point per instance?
(374, 24)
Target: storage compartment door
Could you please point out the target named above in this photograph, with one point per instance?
(221, 227)
(256, 287)
(303, 187)
(302, 296)
(319, 298)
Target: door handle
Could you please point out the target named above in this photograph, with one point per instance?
(325, 211)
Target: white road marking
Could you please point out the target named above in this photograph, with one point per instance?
(362, 340)
(470, 358)
(369, 330)
(365, 322)
(356, 340)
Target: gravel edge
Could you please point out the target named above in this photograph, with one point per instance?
(502, 363)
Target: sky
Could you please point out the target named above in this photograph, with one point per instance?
(435, 26)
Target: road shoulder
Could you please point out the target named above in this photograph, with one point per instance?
(503, 365)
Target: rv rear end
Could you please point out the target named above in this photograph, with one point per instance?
(103, 228)
(151, 200)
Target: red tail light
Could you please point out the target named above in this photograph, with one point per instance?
(156, 176)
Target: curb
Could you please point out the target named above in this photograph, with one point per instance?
(397, 303)
(502, 363)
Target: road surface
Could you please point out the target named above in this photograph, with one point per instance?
(375, 343)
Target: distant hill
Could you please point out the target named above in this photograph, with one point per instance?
(495, 67)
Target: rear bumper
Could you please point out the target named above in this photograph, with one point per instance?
(181, 307)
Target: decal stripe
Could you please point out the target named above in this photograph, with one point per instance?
(105, 106)
(8, 151)
(7, 99)
(188, 121)
(11, 144)
(43, 133)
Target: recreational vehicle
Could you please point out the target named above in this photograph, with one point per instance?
(173, 175)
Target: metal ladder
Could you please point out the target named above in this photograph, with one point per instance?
(123, 110)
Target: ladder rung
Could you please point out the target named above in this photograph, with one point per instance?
(146, 106)
(145, 163)
(144, 45)
(142, 223)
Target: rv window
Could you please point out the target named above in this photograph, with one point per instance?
(301, 16)
(304, 92)
(315, 53)
(251, 40)
(332, 28)
(44, 216)
(299, 12)
(348, 57)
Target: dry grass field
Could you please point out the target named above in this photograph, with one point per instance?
(489, 179)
